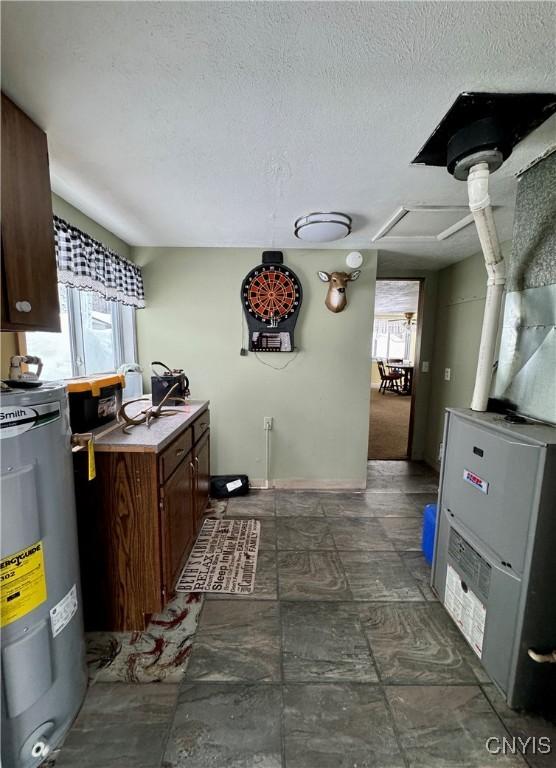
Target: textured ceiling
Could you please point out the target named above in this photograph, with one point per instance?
(394, 296)
(217, 124)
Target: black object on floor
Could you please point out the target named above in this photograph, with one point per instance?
(226, 486)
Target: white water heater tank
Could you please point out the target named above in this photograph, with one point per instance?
(42, 643)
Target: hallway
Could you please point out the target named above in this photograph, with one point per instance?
(388, 425)
(341, 657)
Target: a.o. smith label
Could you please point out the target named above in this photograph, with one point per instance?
(17, 419)
(22, 583)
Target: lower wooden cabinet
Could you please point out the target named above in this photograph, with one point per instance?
(201, 478)
(178, 522)
(137, 523)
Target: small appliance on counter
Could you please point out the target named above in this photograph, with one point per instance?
(94, 400)
(19, 379)
(161, 384)
(133, 380)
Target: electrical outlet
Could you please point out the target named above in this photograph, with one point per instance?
(425, 366)
(267, 422)
(447, 374)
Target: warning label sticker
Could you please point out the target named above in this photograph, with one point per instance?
(22, 583)
(64, 611)
(466, 609)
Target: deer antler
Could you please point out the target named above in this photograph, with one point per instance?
(148, 414)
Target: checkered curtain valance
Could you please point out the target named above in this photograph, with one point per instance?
(87, 264)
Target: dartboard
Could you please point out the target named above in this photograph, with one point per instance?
(271, 293)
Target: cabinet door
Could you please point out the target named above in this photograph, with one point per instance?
(202, 478)
(28, 259)
(178, 522)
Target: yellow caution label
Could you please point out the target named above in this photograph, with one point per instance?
(91, 455)
(22, 583)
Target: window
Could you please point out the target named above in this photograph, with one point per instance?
(392, 339)
(97, 336)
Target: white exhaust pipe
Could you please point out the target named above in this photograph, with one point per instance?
(479, 204)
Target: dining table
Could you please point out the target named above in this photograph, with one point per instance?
(407, 381)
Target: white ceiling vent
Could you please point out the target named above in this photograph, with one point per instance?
(424, 223)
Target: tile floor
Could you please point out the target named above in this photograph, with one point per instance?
(341, 658)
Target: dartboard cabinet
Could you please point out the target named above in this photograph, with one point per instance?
(271, 295)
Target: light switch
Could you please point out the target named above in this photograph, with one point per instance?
(447, 374)
(425, 366)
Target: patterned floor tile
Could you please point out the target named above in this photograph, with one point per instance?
(303, 533)
(226, 726)
(298, 504)
(397, 468)
(338, 726)
(404, 533)
(254, 504)
(311, 576)
(268, 534)
(237, 640)
(393, 504)
(324, 642)
(121, 725)
(416, 643)
(359, 534)
(402, 484)
(421, 499)
(447, 727)
(421, 571)
(379, 576)
(346, 504)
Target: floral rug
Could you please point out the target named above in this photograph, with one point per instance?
(158, 654)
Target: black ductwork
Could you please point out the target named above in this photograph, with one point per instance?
(485, 123)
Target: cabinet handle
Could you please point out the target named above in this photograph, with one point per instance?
(203, 424)
(23, 306)
(180, 451)
(196, 460)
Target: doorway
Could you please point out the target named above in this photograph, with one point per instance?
(394, 366)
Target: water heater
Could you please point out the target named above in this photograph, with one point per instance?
(42, 643)
(494, 567)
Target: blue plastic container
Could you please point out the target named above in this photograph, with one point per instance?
(429, 529)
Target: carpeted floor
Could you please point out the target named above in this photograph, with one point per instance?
(389, 425)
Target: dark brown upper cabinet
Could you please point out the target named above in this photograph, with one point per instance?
(29, 281)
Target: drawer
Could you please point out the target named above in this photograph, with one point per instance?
(175, 454)
(201, 425)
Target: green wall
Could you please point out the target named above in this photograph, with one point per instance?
(78, 219)
(319, 402)
(459, 319)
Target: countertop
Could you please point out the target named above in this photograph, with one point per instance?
(143, 439)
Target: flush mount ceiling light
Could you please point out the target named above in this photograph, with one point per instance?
(322, 227)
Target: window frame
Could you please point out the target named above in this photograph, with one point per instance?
(77, 345)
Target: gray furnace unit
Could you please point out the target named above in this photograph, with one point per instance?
(43, 651)
(495, 551)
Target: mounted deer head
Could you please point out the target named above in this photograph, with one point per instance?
(336, 299)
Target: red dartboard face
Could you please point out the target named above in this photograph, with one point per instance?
(271, 293)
